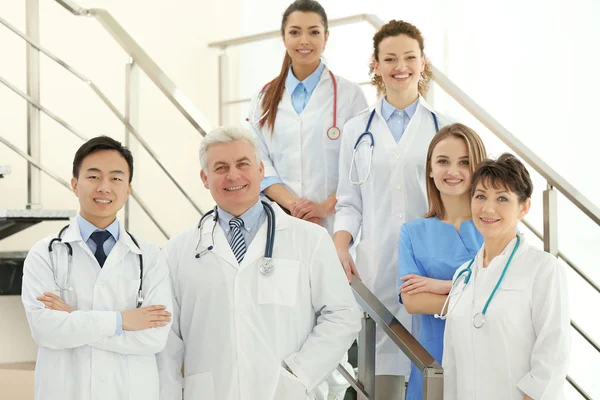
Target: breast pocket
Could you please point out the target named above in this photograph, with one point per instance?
(280, 287)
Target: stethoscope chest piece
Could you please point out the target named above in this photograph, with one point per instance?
(267, 267)
(333, 133)
(478, 320)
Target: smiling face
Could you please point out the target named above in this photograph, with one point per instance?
(233, 176)
(102, 186)
(497, 211)
(450, 167)
(400, 63)
(305, 38)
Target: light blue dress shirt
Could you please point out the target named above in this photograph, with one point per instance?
(397, 120)
(434, 249)
(253, 219)
(86, 229)
(301, 92)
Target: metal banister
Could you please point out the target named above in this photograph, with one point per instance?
(418, 355)
(143, 60)
(133, 131)
(64, 183)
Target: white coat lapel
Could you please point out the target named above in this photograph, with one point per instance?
(380, 130)
(221, 246)
(421, 123)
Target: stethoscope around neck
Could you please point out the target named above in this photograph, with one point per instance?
(465, 275)
(367, 138)
(67, 287)
(267, 266)
(333, 132)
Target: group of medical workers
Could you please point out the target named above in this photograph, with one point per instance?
(252, 302)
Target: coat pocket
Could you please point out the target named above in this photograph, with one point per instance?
(199, 386)
(289, 387)
(280, 287)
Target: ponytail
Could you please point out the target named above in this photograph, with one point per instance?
(274, 93)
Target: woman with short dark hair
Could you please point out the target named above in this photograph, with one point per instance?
(507, 330)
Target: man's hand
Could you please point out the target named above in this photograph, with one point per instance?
(145, 317)
(54, 302)
(347, 263)
(419, 284)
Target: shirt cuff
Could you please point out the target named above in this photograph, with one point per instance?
(119, 329)
(269, 181)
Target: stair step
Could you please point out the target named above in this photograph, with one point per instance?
(13, 221)
(4, 170)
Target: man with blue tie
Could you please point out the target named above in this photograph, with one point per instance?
(262, 309)
(97, 299)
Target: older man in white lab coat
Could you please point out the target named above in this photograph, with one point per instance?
(241, 332)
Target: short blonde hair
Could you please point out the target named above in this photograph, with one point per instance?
(226, 134)
(477, 154)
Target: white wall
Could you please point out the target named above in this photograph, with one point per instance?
(175, 34)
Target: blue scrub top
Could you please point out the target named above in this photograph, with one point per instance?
(432, 248)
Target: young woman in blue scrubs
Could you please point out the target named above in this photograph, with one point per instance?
(433, 247)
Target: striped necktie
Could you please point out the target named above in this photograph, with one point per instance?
(238, 246)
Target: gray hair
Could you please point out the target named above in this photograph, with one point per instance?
(226, 134)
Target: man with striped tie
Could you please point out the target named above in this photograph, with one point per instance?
(243, 331)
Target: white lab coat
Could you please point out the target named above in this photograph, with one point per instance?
(298, 151)
(234, 328)
(393, 194)
(524, 346)
(79, 356)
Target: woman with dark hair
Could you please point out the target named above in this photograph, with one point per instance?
(382, 180)
(507, 329)
(433, 247)
(298, 118)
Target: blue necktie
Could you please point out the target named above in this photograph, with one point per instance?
(99, 237)
(238, 246)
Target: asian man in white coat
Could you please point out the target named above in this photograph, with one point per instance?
(100, 315)
(243, 329)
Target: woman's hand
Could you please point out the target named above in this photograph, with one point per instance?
(414, 284)
(347, 263)
(306, 209)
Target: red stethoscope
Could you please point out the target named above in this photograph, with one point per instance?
(333, 133)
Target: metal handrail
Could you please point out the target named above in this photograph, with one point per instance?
(104, 99)
(58, 179)
(43, 109)
(402, 338)
(144, 144)
(553, 178)
(143, 60)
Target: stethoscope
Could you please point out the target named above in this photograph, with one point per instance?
(465, 275)
(333, 132)
(267, 266)
(367, 138)
(67, 288)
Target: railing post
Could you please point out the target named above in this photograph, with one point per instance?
(34, 175)
(366, 357)
(433, 384)
(131, 112)
(551, 220)
(223, 85)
